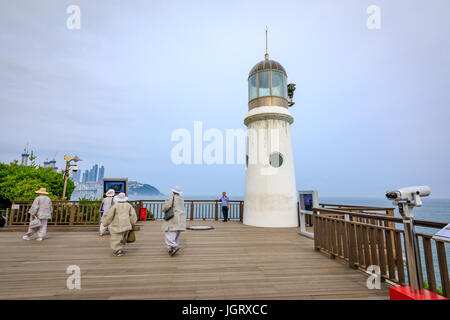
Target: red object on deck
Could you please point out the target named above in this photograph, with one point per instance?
(408, 293)
(143, 214)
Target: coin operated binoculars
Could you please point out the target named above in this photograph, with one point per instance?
(406, 199)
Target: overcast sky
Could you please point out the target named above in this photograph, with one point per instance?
(372, 106)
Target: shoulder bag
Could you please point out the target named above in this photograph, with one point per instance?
(131, 236)
(170, 212)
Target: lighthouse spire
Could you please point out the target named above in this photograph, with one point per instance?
(266, 56)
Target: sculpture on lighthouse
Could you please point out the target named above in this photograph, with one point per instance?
(270, 190)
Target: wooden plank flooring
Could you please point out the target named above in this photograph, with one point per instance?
(233, 261)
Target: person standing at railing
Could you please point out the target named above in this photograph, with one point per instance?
(120, 218)
(107, 203)
(40, 209)
(225, 206)
(173, 226)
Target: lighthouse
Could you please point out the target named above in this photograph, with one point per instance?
(270, 190)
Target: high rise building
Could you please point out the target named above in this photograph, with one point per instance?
(51, 164)
(76, 176)
(93, 173)
(90, 175)
(25, 156)
(101, 174)
(85, 176)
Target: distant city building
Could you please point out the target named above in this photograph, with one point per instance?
(25, 156)
(51, 164)
(85, 176)
(101, 174)
(76, 176)
(89, 183)
(93, 173)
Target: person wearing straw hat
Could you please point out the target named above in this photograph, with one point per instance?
(107, 203)
(41, 209)
(120, 218)
(177, 223)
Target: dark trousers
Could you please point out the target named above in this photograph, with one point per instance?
(225, 213)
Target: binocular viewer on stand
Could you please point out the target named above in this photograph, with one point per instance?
(406, 199)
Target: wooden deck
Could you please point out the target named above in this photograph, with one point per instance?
(233, 261)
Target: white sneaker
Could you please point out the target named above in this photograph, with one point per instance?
(25, 237)
(39, 239)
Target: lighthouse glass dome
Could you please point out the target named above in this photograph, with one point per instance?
(267, 78)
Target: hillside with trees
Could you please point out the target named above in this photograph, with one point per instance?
(20, 182)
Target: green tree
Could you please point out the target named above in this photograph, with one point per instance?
(20, 182)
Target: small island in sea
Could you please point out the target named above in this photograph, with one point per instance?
(136, 188)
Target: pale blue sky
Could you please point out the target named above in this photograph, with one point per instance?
(372, 106)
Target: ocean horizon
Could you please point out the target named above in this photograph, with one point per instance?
(433, 209)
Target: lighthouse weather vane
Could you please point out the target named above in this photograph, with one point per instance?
(267, 52)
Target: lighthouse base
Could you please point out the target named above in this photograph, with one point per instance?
(272, 211)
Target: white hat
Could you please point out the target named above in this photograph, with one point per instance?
(177, 189)
(110, 193)
(42, 191)
(121, 197)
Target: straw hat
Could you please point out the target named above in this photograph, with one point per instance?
(121, 197)
(42, 191)
(110, 193)
(177, 189)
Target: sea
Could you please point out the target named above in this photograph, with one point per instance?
(433, 209)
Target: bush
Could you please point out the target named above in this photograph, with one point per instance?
(20, 182)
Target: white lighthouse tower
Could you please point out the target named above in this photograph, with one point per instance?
(270, 190)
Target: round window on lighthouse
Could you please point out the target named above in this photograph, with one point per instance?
(275, 159)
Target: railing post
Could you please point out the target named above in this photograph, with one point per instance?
(390, 213)
(141, 204)
(216, 210)
(316, 226)
(241, 211)
(7, 214)
(72, 214)
(192, 210)
(13, 212)
(351, 238)
(443, 268)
